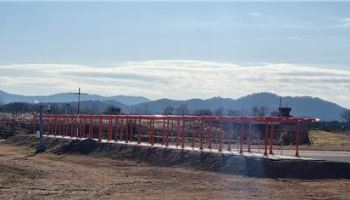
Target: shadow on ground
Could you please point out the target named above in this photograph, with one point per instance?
(211, 161)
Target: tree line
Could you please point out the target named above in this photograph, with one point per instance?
(97, 108)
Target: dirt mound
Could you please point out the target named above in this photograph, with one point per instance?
(213, 161)
(77, 146)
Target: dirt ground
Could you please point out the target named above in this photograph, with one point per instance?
(49, 176)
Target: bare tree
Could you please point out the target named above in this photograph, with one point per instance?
(346, 116)
(111, 110)
(182, 110)
(169, 110)
(219, 112)
(201, 112)
(259, 111)
(275, 113)
(232, 112)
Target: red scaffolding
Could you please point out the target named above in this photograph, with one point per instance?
(210, 132)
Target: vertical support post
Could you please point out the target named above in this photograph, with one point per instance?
(201, 135)
(127, 130)
(71, 127)
(271, 139)
(249, 137)
(230, 136)
(121, 129)
(90, 127)
(64, 126)
(183, 133)
(41, 146)
(59, 126)
(266, 136)
(210, 134)
(81, 128)
(167, 133)
(178, 133)
(139, 132)
(110, 128)
(150, 131)
(193, 134)
(153, 131)
(221, 133)
(241, 138)
(100, 128)
(163, 132)
(131, 126)
(297, 140)
(48, 126)
(116, 124)
(34, 123)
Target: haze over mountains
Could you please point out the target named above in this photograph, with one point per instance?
(301, 106)
(69, 97)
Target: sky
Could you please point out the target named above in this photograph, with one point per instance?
(177, 50)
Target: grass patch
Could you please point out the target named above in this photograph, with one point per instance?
(318, 137)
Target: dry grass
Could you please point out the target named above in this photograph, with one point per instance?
(48, 176)
(323, 140)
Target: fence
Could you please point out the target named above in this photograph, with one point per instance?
(203, 132)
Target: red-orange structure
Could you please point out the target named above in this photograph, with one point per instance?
(211, 132)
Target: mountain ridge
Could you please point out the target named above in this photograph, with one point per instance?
(302, 106)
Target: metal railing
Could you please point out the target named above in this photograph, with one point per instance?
(203, 132)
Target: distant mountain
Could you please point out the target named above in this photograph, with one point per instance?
(68, 97)
(301, 106)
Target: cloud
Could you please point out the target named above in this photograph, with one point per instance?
(178, 79)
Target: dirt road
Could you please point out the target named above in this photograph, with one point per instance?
(49, 176)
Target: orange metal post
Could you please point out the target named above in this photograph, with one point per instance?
(59, 127)
(221, 133)
(183, 133)
(163, 132)
(297, 140)
(153, 132)
(249, 137)
(81, 128)
(150, 132)
(266, 136)
(178, 133)
(271, 139)
(34, 123)
(126, 130)
(201, 135)
(139, 132)
(241, 138)
(210, 134)
(64, 126)
(131, 126)
(110, 128)
(100, 128)
(71, 127)
(167, 134)
(90, 127)
(193, 134)
(48, 127)
(230, 137)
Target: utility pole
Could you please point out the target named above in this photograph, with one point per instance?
(78, 120)
(41, 146)
(79, 93)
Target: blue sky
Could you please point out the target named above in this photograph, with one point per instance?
(106, 33)
(305, 35)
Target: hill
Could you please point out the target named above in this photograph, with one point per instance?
(301, 106)
(68, 97)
